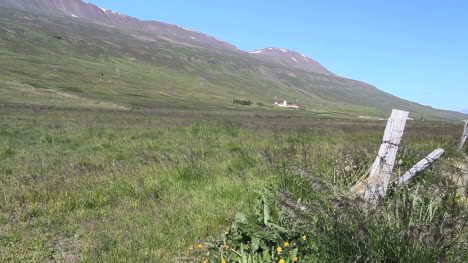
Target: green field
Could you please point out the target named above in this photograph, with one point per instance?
(109, 185)
(120, 146)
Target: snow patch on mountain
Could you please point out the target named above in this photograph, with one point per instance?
(105, 10)
(290, 58)
(188, 29)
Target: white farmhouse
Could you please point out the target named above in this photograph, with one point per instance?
(284, 104)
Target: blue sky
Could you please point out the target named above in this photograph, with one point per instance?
(416, 50)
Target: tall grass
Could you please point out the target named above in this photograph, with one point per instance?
(310, 216)
(117, 186)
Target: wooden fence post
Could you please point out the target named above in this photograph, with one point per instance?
(420, 166)
(464, 136)
(376, 184)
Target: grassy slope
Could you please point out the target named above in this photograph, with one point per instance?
(72, 56)
(115, 185)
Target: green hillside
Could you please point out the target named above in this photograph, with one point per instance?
(71, 62)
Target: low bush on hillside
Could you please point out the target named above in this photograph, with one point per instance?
(242, 102)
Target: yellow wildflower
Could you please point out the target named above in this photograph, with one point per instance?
(286, 244)
(281, 261)
(190, 248)
(200, 246)
(304, 237)
(205, 261)
(223, 261)
(295, 259)
(279, 249)
(226, 247)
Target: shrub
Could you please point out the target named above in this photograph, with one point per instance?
(242, 102)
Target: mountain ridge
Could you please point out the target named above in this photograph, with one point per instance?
(288, 57)
(91, 12)
(57, 51)
(177, 34)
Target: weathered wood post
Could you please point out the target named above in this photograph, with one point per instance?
(376, 184)
(464, 136)
(420, 166)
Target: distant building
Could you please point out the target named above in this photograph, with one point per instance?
(284, 104)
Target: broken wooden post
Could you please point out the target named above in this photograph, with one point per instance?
(463, 137)
(420, 166)
(376, 184)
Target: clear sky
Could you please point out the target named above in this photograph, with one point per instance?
(414, 49)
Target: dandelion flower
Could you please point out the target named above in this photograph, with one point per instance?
(279, 249)
(190, 248)
(205, 261)
(286, 244)
(281, 261)
(226, 247)
(223, 261)
(304, 237)
(295, 259)
(200, 246)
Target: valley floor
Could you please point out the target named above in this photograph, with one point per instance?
(111, 185)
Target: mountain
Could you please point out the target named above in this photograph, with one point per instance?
(290, 58)
(92, 13)
(70, 52)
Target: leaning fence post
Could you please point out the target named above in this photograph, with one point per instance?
(376, 184)
(420, 166)
(464, 136)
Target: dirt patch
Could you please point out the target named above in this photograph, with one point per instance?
(145, 38)
(178, 42)
(66, 250)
